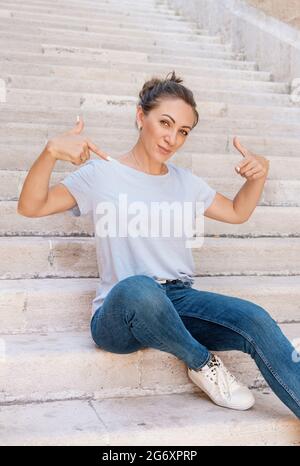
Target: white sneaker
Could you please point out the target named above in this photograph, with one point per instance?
(221, 386)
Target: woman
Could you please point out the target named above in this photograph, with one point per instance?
(146, 298)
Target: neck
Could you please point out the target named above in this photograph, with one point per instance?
(146, 163)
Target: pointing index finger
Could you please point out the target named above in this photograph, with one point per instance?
(96, 150)
(239, 147)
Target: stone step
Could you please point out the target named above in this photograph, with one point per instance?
(103, 39)
(92, 4)
(28, 48)
(56, 71)
(99, 8)
(248, 126)
(232, 60)
(8, 20)
(149, 420)
(222, 166)
(196, 37)
(183, 30)
(20, 158)
(154, 54)
(107, 16)
(110, 82)
(167, 53)
(127, 53)
(73, 257)
(266, 221)
(276, 192)
(146, 4)
(36, 131)
(150, 63)
(257, 112)
(116, 141)
(124, 113)
(99, 11)
(88, 100)
(124, 117)
(38, 303)
(93, 24)
(66, 365)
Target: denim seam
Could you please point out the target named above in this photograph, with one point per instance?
(147, 331)
(245, 335)
(155, 339)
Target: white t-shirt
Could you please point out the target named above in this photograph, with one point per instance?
(118, 196)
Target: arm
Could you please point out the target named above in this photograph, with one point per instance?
(255, 169)
(248, 197)
(240, 209)
(36, 199)
(222, 209)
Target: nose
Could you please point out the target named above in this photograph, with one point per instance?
(170, 138)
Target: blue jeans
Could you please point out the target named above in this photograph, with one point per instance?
(139, 312)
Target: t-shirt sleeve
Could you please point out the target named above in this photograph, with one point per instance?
(204, 192)
(81, 183)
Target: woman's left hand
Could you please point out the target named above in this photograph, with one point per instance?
(253, 166)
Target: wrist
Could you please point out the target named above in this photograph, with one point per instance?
(49, 151)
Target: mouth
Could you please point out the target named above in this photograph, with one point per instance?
(163, 150)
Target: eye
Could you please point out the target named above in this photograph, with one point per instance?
(185, 133)
(164, 121)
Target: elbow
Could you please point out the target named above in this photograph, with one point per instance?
(24, 212)
(20, 211)
(244, 220)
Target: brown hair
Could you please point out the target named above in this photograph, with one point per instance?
(155, 89)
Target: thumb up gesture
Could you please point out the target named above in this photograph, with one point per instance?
(252, 167)
(72, 146)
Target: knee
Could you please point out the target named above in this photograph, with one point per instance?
(137, 280)
(141, 290)
(259, 319)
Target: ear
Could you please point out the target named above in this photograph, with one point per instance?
(139, 116)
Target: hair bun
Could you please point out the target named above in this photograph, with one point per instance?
(174, 78)
(148, 86)
(156, 82)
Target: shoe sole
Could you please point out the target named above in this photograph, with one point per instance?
(211, 398)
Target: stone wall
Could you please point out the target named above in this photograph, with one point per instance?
(286, 10)
(271, 43)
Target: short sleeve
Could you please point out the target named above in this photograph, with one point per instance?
(81, 183)
(204, 192)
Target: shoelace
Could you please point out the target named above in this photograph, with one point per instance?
(221, 376)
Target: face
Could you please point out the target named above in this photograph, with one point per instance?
(165, 127)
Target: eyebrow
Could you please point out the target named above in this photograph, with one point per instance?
(165, 114)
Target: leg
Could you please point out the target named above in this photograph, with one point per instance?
(136, 314)
(225, 323)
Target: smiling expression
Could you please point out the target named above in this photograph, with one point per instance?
(166, 127)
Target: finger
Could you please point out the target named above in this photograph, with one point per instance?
(243, 164)
(86, 153)
(248, 166)
(257, 176)
(82, 157)
(78, 128)
(97, 151)
(239, 147)
(254, 171)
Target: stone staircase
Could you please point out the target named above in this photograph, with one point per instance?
(64, 58)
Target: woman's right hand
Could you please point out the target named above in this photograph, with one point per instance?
(73, 147)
